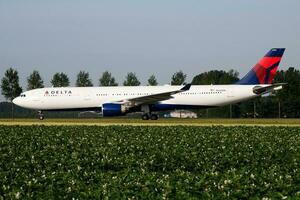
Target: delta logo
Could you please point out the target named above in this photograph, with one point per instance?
(58, 92)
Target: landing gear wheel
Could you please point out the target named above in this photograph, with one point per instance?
(40, 115)
(145, 117)
(154, 117)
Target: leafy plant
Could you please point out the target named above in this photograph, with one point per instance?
(121, 162)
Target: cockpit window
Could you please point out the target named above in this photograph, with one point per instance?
(22, 95)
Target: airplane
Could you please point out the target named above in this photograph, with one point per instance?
(121, 100)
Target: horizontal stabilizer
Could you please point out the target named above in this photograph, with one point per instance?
(267, 89)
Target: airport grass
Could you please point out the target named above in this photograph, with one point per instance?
(149, 162)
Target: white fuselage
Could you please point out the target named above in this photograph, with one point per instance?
(68, 98)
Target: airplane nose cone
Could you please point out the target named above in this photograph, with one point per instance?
(16, 101)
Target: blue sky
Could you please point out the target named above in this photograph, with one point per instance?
(146, 37)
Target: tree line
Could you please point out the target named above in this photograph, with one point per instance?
(285, 103)
(11, 88)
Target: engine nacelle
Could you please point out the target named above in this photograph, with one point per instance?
(113, 109)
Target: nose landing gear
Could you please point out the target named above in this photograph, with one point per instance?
(40, 115)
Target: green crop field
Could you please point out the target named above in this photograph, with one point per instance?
(149, 162)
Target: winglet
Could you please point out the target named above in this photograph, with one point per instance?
(186, 87)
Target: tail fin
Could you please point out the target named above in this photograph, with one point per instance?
(264, 71)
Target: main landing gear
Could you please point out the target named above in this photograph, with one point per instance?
(40, 115)
(148, 116)
(147, 113)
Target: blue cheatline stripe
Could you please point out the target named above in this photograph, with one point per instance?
(162, 107)
(154, 107)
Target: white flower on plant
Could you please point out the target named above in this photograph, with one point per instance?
(266, 198)
(29, 183)
(18, 195)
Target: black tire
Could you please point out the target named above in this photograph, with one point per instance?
(154, 117)
(145, 117)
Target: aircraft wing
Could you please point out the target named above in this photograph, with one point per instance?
(154, 97)
(266, 89)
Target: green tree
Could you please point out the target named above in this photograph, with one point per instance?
(216, 77)
(60, 80)
(10, 87)
(289, 96)
(152, 80)
(131, 80)
(34, 81)
(107, 79)
(83, 79)
(178, 78)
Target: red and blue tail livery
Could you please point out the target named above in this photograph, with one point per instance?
(264, 71)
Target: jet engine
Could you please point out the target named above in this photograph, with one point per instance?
(113, 109)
